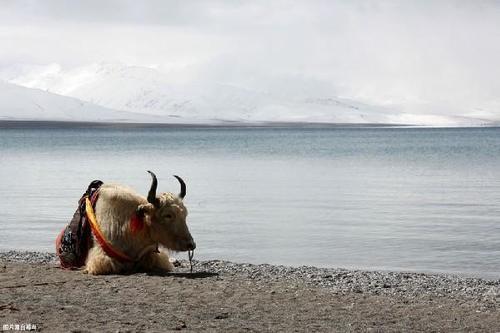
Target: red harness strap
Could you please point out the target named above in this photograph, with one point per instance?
(105, 245)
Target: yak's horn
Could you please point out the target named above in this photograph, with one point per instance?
(183, 187)
(152, 190)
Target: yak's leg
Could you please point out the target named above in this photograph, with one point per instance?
(99, 263)
(158, 262)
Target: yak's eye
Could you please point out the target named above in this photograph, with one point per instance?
(169, 216)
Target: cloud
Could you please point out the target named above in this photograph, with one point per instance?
(437, 56)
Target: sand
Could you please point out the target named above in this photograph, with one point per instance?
(229, 297)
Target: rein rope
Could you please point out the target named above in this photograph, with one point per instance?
(190, 256)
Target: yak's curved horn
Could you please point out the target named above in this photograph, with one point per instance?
(183, 187)
(152, 190)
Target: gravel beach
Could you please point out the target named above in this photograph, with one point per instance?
(233, 297)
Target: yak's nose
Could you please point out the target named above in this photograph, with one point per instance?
(191, 245)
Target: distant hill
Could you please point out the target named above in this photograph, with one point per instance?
(146, 93)
(20, 103)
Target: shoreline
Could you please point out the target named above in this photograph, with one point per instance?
(54, 124)
(222, 295)
(215, 124)
(357, 280)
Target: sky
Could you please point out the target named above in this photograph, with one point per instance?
(438, 56)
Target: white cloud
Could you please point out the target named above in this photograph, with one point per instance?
(440, 57)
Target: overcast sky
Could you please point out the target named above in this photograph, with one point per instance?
(378, 51)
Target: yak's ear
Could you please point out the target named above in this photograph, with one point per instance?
(145, 212)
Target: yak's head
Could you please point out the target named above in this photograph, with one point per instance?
(167, 215)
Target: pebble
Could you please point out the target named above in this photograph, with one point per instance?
(340, 281)
(29, 257)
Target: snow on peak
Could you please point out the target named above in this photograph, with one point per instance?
(149, 92)
(21, 103)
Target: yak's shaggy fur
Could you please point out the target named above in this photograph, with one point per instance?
(164, 223)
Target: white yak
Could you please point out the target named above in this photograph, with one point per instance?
(134, 226)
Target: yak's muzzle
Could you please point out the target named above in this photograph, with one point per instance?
(191, 245)
(186, 245)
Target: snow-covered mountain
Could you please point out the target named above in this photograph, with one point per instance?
(147, 93)
(21, 103)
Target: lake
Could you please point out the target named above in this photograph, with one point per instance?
(416, 199)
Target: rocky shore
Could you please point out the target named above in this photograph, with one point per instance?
(226, 296)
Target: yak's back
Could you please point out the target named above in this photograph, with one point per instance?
(116, 204)
(116, 194)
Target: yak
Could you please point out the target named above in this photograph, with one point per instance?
(135, 226)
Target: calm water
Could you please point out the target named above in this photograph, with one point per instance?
(376, 198)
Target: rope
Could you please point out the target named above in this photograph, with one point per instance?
(190, 256)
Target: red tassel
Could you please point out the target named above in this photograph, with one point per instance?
(136, 224)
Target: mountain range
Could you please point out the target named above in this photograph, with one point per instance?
(119, 93)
